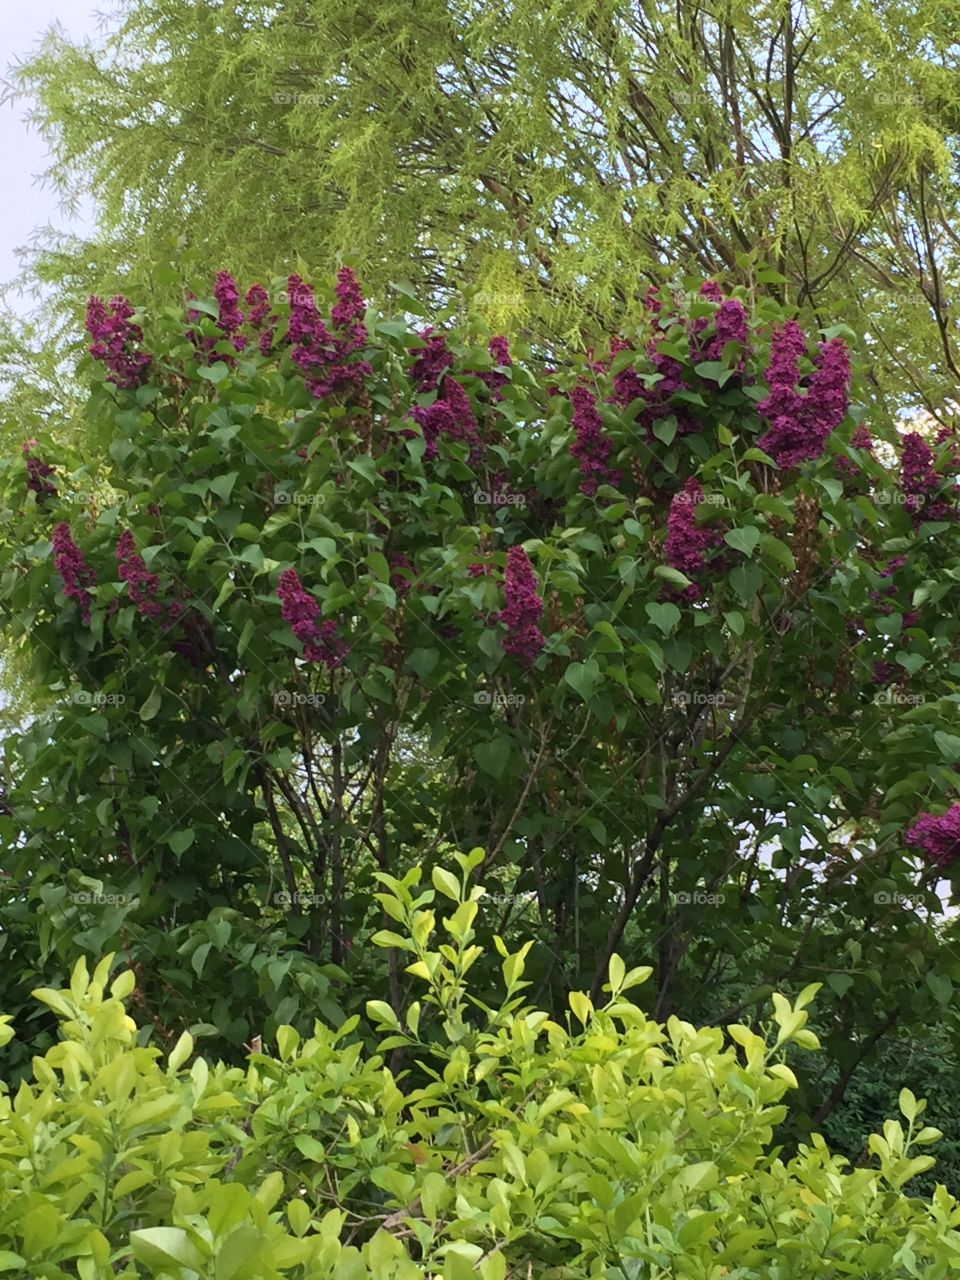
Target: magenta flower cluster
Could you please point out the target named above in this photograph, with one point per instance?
(73, 569)
(325, 357)
(937, 835)
(523, 609)
(433, 358)
(687, 543)
(590, 447)
(300, 610)
(861, 439)
(730, 325)
(450, 415)
(922, 485)
(37, 472)
(116, 341)
(800, 424)
(143, 586)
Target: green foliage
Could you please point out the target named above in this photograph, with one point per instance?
(507, 1142)
(667, 769)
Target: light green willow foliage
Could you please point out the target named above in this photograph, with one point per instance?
(552, 157)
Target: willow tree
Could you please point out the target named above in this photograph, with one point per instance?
(554, 160)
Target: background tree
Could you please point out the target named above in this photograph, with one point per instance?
(553, 163)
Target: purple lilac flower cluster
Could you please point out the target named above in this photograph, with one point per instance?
(591, 447)
(259, 317)
(142, 585)
(323, 356)
(499, 349)
(450, 415)
(523, 609)
(861, 439)
(73, 569)
(433, 358)
(37, 472)
(300, 610)
(115, 341)
(800, 424)
(938, 836)
(922, 485)
(687, 542)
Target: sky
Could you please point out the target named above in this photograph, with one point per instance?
(27, 202)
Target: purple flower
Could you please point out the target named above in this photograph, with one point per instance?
(432, 359)
(711, 290)
(231, 317)
(325, 357)
(522, 611)
(299, 609)
(450, 415)
(350, 308)
(861, 439)
(259, 317)
(115, 341)
(37, 472)
(921, 483)
(499, 349)
(73, 569)
(651, 300)
(730, 325)
(937, 835)
(143, 587)
(686, 542)
(401, 582)
(800, 424)
(591, 447)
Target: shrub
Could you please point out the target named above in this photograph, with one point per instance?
(499, 1142)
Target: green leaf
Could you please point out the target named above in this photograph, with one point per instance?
(202, 547)
(669, 574)
(492, 756)
(446, 883)
(941, 987)
(423, 661)
(380, 1012)
(583, 677)
(665, 616)
(152, 704)
(161, 1247)
(745, 539)
(180, 841)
